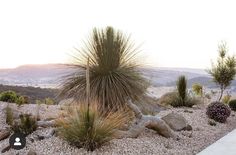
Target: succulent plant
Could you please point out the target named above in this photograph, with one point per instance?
(218, 111)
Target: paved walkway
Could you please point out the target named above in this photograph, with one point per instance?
(224, 146)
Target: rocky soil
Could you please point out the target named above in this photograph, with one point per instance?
(148, 143)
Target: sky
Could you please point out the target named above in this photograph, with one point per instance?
(172, 33)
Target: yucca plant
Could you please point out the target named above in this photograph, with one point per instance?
(90, 128)
(114, 73)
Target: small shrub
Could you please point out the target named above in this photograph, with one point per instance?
(27, 124)
(49, 101)
(211, 122)
(12, 97)
(226, 99)
(218, 111)
(20, 100)
(232, 105)
(173, 99)
(90, 128)
(9, 96)
(9, 116)
(167, 98)
(197, 89)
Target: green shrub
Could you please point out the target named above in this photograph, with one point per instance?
(89, 128)
(12, 97)
(9, 116)
(27, 124)
(9, 96)
(218, 111)
(232, 105)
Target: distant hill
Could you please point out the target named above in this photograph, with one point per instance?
(168, 76)
(50, 75)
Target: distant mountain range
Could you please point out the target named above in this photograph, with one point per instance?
(50, 75)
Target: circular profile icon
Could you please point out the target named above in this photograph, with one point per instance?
(17, 141)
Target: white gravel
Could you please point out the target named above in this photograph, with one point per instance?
(148, 143)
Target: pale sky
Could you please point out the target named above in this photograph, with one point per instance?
(173, 33)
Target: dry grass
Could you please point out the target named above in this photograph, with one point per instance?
(90, 128)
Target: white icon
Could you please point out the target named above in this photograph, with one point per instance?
(17, 142)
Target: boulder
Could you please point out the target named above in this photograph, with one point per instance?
(31, 152)
(176, 122)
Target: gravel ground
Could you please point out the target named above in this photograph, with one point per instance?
(191, 142)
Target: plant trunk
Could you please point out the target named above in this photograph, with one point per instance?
(221, 93)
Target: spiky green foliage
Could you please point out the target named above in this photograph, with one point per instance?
(224, 71)
(182, 88)
(114, 75)
(26, 125)
(90, 129)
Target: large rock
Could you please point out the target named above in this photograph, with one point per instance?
(176, 122)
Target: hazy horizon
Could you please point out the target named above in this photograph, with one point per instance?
(146, 66)
(175, 34)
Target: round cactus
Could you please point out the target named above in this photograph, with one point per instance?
(218, 111)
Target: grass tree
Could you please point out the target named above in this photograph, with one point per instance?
(224, 71)
(113, 70)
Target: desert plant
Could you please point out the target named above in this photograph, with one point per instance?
(26, 125)
(211, 122)
(9, 96)
(173, 99)
(20, 100)
(224, 71)
(226, 99)
(90, 129)
(9, 115)
(182, 89)
(232, 105)
(114, 76)
(197, 89)
(218, 111)
(49, 101)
